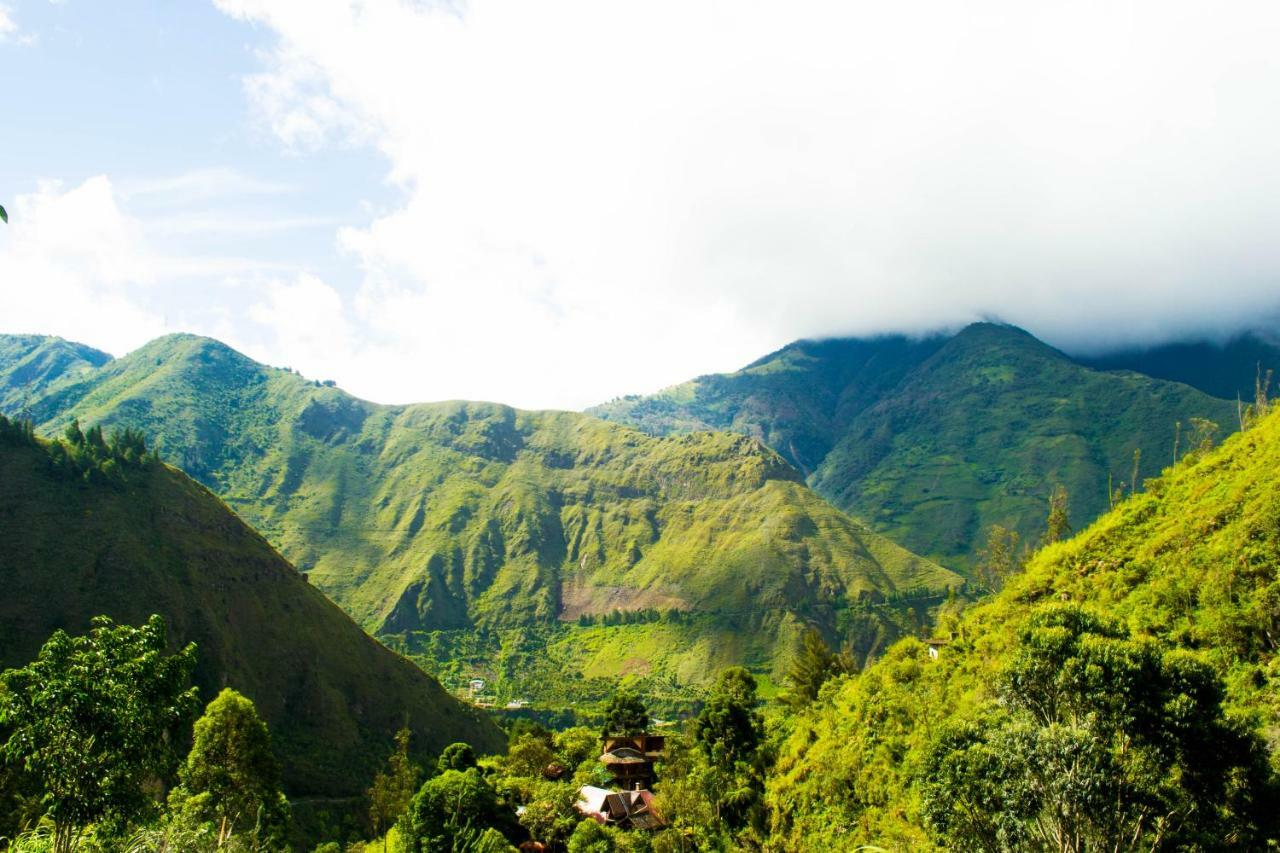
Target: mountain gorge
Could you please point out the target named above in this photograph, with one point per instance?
(933, 440)
(452, 525)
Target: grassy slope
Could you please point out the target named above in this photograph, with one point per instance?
(1194, 562)
(932, 441)
(980, 433)
(162, 544)
(455, 515)
(798, 400)
(29, 364)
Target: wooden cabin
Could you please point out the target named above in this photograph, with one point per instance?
(630, 759)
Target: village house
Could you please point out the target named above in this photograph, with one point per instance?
(630, 760)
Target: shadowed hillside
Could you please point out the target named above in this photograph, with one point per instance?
(142, 538)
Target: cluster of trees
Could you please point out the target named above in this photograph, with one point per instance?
(644, 616)
(89, 729)
(1098, 741)
(88, 454)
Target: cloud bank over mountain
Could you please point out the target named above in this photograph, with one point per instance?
(597, 198)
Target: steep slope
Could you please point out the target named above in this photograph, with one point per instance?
(931, 441)
(798, 400)
(29, 364)
(1193, 564)
(457, 516)
(981, 432)
(1224, 369)
(153, 541)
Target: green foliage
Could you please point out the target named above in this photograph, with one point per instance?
(1098, 742)
(813, 666)
(1057, 526)
(70, 550)
(528, 755)
(626, 715)
(728, 732)
(232, 770)
(590, 837)
(451, 806)
(999, 559)
(456, 756)
(88, 456)
(394, 786)
(549, 814)
(577, 748)
(1039, 700)
(92, 718)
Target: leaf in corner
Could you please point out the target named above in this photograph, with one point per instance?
(4, 215)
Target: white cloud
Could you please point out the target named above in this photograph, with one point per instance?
(77, 262)
(73, 264)
(199, 185)
(304, 323)
(7, 25)
(605, 197)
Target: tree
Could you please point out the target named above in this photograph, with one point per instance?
(550, 814)
(577, 746)
(393, 788)
(728, 732)
(232, 772)
(590, 837)
(450, 806)
(729, 727)
(528, 756)
(1057, 526)
(92, 718)
(1203, 431)
(998, 560)
(1098, 742)
(813, 665)
(626, 715)
(456, 756)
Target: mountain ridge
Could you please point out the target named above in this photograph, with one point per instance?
(466, 517)
(915, 454)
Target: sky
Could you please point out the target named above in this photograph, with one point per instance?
(551, 204)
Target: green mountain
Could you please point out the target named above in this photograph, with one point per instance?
(30, 363)
(504, 540)
(1191, 565)
(799, 400)
(1227, 369)
(932, 440)
(143, 538)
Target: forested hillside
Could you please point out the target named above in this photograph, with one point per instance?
(92, 528)
(1228, 369)
(453, 525)
(1123, 687)
(932, 441)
